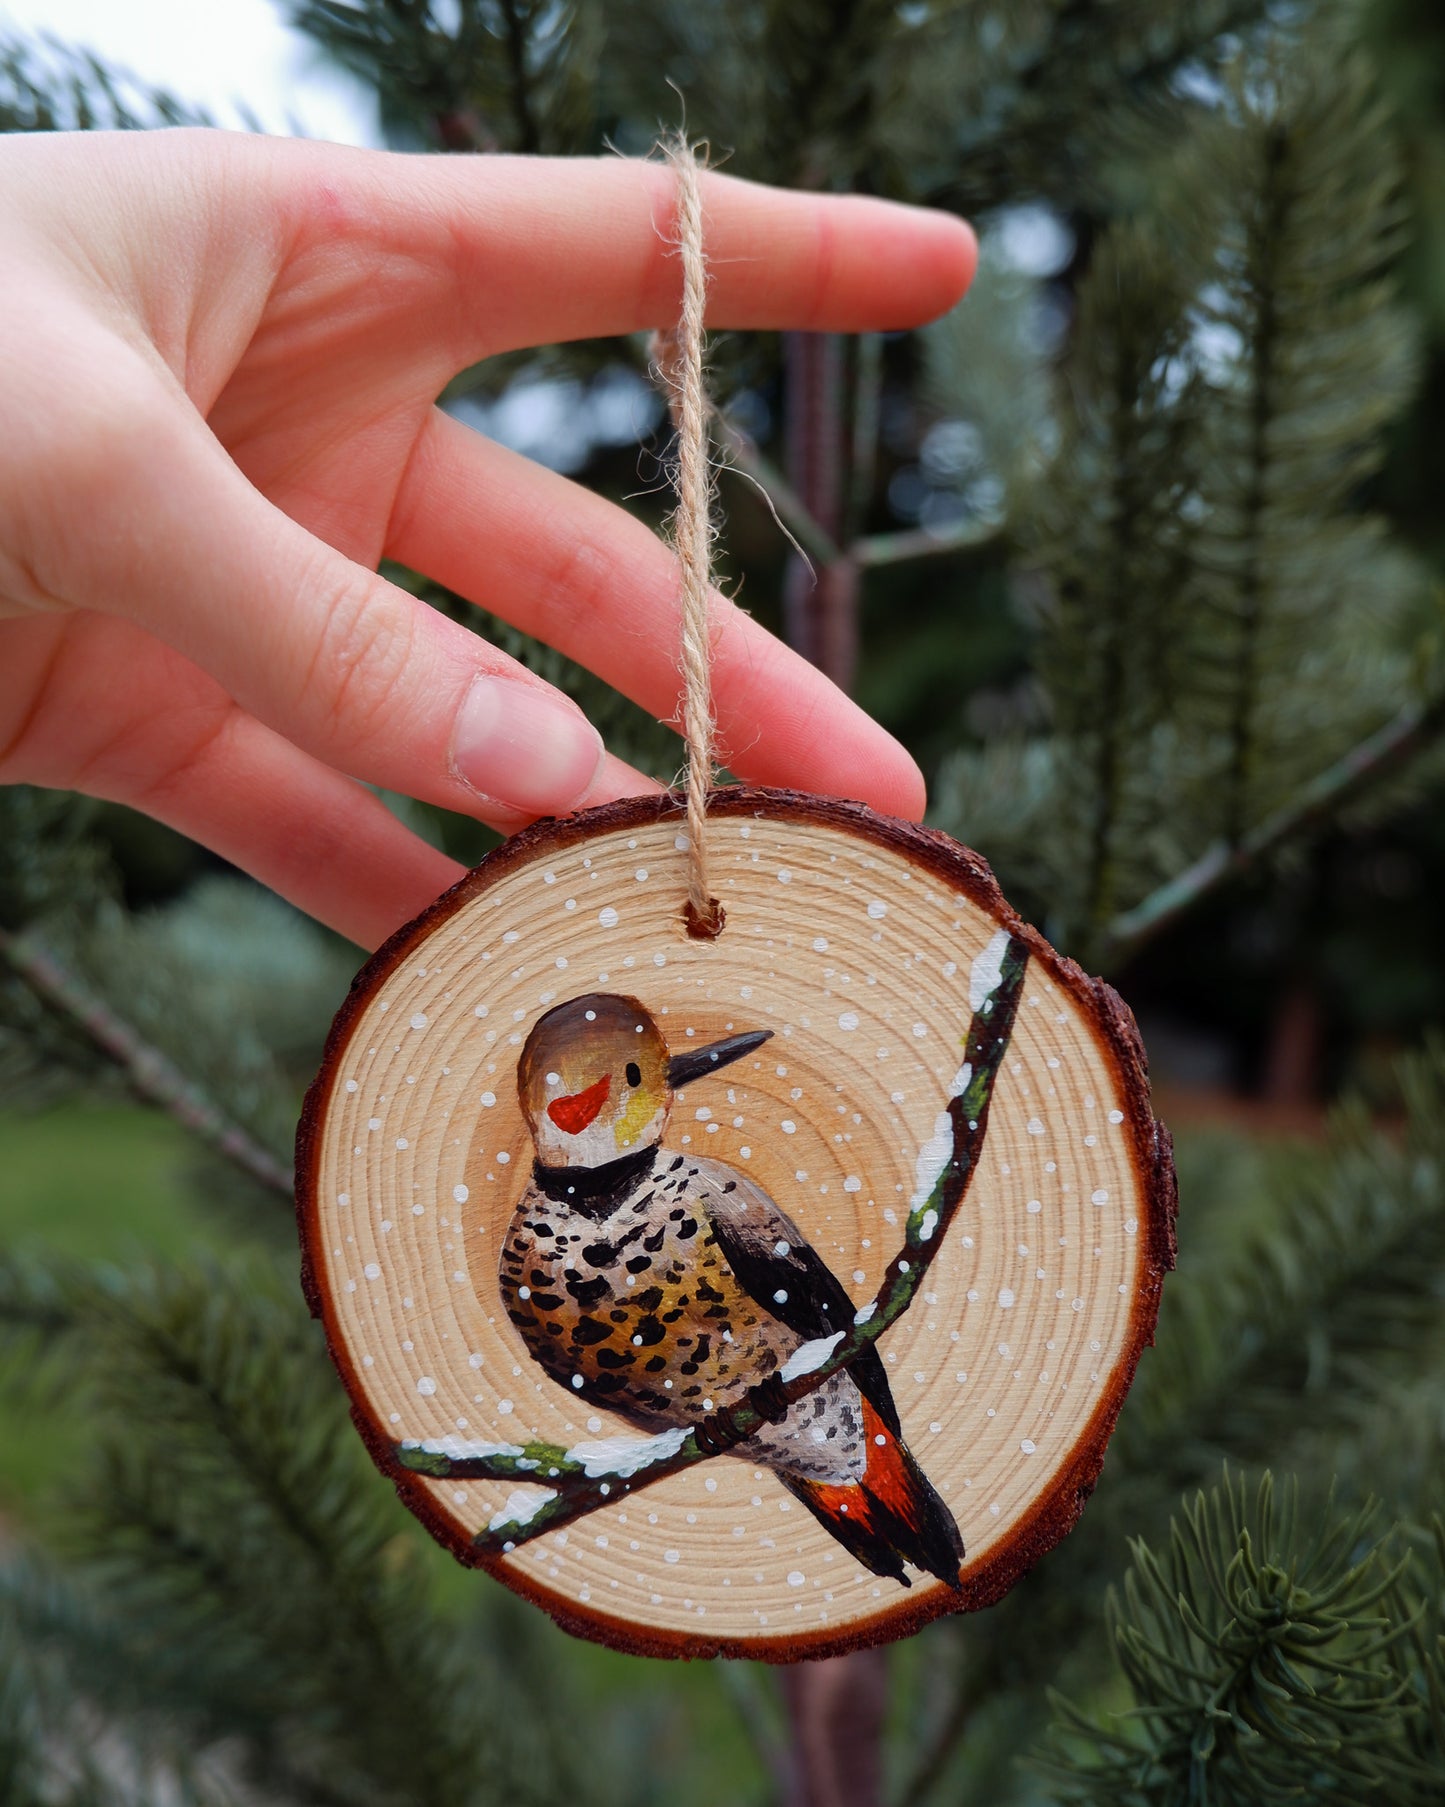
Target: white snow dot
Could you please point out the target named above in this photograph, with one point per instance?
(503, 1157)
(672, 1556)
(1028, 1446)
(920, 1029)
(788, 1126)
(372, 1271)
(1116, 1116)
(796, 1577)
(426, 1386)
(1034, 1127)
(641, 875)
(418, 1021)
(877, 909)
(461, 1194)
(1101, 1197)
(852, 1183)
(820, 944)
(1078, 1304)
(402, 1142)
(848, 1020)
(607, 916)
(1005, 1297)
(780, 1297)
(489, 1099)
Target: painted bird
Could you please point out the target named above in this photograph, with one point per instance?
(663, 1286)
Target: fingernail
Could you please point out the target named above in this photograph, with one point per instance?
(520, 745)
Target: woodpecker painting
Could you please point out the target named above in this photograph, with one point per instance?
(663, 1286)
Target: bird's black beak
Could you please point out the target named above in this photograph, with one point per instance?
(697, 1062)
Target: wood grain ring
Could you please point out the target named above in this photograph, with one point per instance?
(851, 936)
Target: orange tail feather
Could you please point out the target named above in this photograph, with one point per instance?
(889, 1517)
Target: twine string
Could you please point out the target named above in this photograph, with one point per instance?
(677, 356)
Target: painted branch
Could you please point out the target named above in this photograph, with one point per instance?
(588, 1475)
(152, 1074)
(1377, 755)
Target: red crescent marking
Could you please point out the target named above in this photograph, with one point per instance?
(574, 1112)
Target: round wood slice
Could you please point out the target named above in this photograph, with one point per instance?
(858, 942)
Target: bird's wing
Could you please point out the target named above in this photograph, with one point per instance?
(778, 1267)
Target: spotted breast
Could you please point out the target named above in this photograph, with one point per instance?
(627, 1297)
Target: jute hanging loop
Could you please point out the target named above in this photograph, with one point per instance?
(678, 361)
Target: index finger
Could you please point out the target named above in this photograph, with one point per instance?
(546, 249)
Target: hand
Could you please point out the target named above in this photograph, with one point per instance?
(217, 377)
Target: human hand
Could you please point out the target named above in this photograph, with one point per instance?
(218, 370)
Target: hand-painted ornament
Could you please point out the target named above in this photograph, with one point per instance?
(764, 1295)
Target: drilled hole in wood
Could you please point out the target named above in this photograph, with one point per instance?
(704, 927)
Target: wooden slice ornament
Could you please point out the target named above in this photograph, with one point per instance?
(736, 1230)
(763, 1295)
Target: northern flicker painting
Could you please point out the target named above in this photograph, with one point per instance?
(760, 1295)
(663, 1286)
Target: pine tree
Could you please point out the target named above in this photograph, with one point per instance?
(1139, 552)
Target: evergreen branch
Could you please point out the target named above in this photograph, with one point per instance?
(877, 549)
(48, 86)
(1380, 754)
(587, 1474)
(1264, 1660)
(255, 1585)
(1328, 1300)
(794, 514)
(871, 550)
(151, 1073)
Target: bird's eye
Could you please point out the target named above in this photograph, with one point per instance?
(634, 1073)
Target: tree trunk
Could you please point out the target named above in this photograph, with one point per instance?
(836, 1710)
(836, 1706)
(820, 610)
